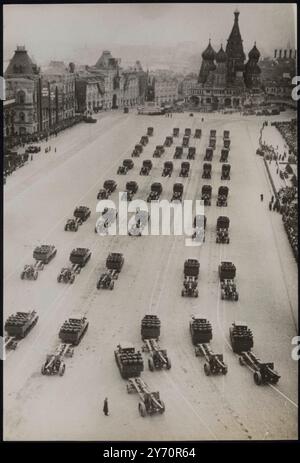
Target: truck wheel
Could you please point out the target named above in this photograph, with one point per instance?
(66, 228)
(58, 279)
(162, 410)
(61, 369)
(22, 275)
(72, 279)
(207, 369)
(111, 286)
(151, 364)
(236, 297)
(168, 364)
(142, 409)
(43, 370)
(197, 293)
(225, 370)
(242, 361)
(35, 275)
(222, 294)
(257, 378)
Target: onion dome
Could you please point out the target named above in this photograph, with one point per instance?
(209, 53)
(221, 56)
(254, 53)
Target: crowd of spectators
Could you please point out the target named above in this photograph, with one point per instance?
(288, 130)
(289, 209)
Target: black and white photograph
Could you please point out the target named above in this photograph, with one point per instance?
(150, 222)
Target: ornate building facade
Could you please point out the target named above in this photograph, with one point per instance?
(225, 79)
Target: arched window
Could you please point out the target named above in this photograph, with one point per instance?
(21, 97)
(22, 117)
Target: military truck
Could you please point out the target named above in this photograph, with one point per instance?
(222, 229)
(150, 131)
(208, 154)
(224, 155)
(185, 141)
(156, 191)
(168, 169)
(222, 196)
(178, 152)
(191, 152)
(200, 329)
(131, 189)
(45, 253)
(73, 330)
(110, 186)
(144, 140)
(206, 194)
(82, 213)
(190, 282)
(17, 326)
(175, 132)
(225, 175)
(128, 163)
(138, 149)
(198, 133)
(187, 132)
(129, 361)
(159, 150)
(115, 261)
(241, 337)
(150, 327)
(146, 167)
(168, 141)
(185, 168)
(80, 256)
(227, 271)
(177, 192)
(206, 170)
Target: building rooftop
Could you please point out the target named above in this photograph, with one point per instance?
(21, 64)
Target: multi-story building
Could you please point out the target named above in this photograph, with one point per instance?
(22, 80)
(8, 120)
(107, 86)
(165, 90)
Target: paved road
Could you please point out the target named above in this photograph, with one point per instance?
(38, 200)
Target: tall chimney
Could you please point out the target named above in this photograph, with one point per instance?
(280, 53)
(284, 54)
(275, 53)
(290, 54)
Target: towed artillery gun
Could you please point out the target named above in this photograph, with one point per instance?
(224, 155)
(43, 255)
(158, 357)
(168, 141)
(150, 402)
(214, 363)
(177, 192)
(17, 326)
(198, 133)
(150, 327)
(168, 169)
(146, 167)
(175, 132)
(54, 364)
(263, 373)
(206, 170)
(206, 194)
(208, 154)
(79, 257)
(225, 174)
(159, 150)
(222, 196)
(138, 149)
(185, 168)
(222, 229)
(156, 191)
(201, 330)
(141, 219)
(81, 214)
(114, 264)
(191, 152)
(129, 361)
(150, 131)
(191, 274)
(178, 152)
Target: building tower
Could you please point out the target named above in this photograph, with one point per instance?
(252, 70)
(221, 67)
(235, 52)
(207, 65)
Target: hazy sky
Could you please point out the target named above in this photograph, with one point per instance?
(59, 31)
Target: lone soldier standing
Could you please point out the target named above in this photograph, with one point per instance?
(105, 407)
(261, 197)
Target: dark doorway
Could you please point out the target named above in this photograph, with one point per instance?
(114, 102)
